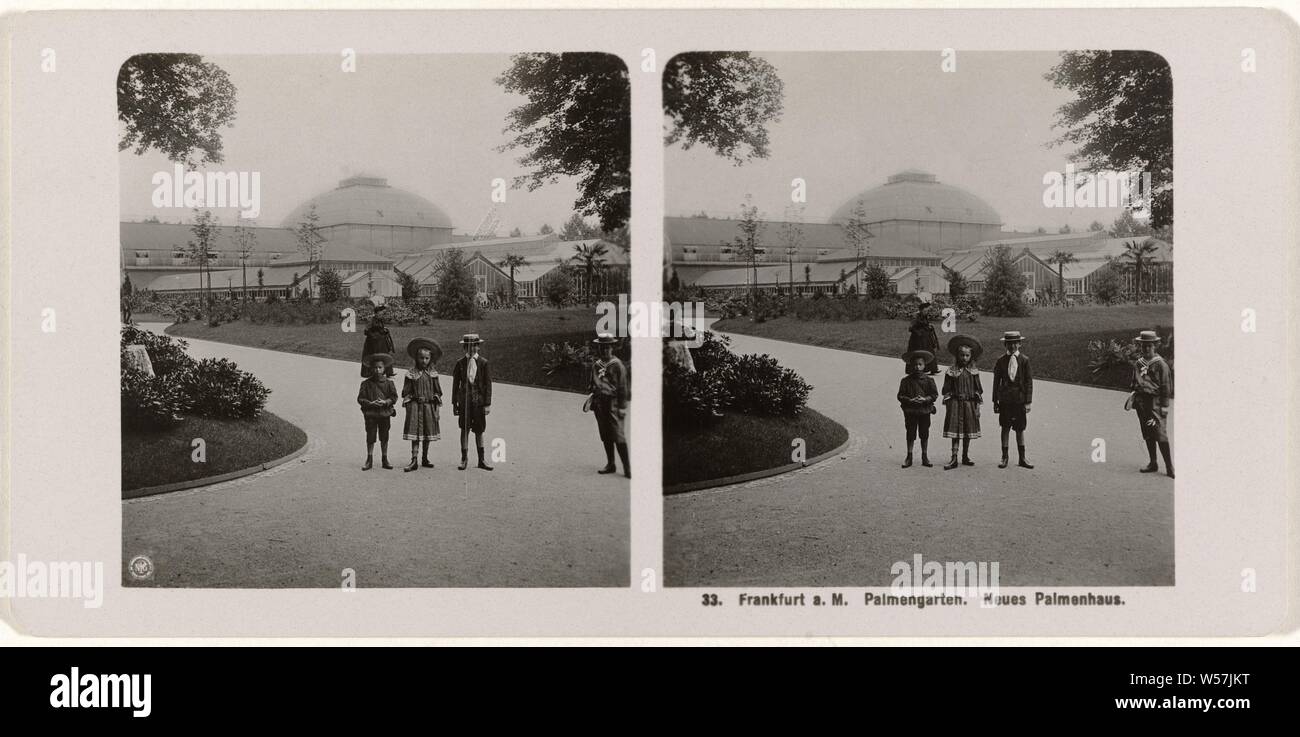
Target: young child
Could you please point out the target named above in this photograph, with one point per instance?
(917, 395)
(609, 390)
(378, 340)
(1013, 391)
(921, 336)
(471, 398)
(1153, 386)
(422, 396)
(377, 397)
(962, 396)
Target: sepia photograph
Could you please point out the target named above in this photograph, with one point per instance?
(359, 340)
(938, 290)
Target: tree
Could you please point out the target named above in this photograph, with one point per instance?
(750, 238)
(1095, 226)
(876, 281)
(310, 242)
(516, 233)
(723, 100)
(592, 258)
(575, 122)
(1064, 229)
(455, 294)
(792, 238)
(512, 262)
(956, 282)
(1040, 230)
(858, 239)
(1140, 257)
(1121, 118)
(260, 274)
(807, 276)
(1062, 259)
(175, 104)
(331, 285)
(245, 243)
(204, 231)
(409, 285)
(1004, 285)
(1108, 284)
(1126, 226)
(546, 229)
(576, 228)
(559, 287)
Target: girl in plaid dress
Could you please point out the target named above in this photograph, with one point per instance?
(422, 396)
(962, 396)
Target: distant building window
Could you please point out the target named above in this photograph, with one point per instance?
(142, 254)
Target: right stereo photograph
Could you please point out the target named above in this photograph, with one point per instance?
(938, 309)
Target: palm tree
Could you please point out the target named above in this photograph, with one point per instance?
(1062, 259)
(592, 257)
(512, 262)
(1141, 257)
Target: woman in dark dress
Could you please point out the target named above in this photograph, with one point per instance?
(923, 338)
(378, 340)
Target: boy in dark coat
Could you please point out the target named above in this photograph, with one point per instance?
(917, 394)
(1013, 392)
(471, 398)
(377, 396)
(1153, 387)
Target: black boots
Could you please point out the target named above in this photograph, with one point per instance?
(424, 461)
(1168, 453)
(609, 459)
(1152, 466)
(383, 462)
(415, 463)
(464, 459)
(1023, 463)
(370, 463)
(953, 462)
(482, 463)
(907, 462)
(622, 454)
(1005, 460)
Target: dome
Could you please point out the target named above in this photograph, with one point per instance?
(370, 201)
(918, 195)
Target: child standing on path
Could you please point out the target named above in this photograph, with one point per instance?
(962, 396)
(1153, 386)
(609, 395)
(471, 398)
(377, 396)
(917, 395)
(1013, 391)
(422, 395)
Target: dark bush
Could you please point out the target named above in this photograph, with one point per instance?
(761, 386)
(215, 387)
(167, 354)
(693, 398)
(151, 402)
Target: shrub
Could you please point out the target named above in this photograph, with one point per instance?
(1004, 285)
(559, 356)
(761, 386)
(330, 284)
(1105, 354)
(215, 387)
(558, 290)
(875, 281)
(151, 402)
(1108, 287)
(714, 352)
(455, 294)
(693, 398)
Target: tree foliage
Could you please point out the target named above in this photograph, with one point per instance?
(455, 294)
(956, 282)
(1004, 285)
(875, 281)
(1121, 118)
(175, 104)
(330, 283)
(575, 122)
(409, 285)
(723, 100)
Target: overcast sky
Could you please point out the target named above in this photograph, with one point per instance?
(853, 119)
(429, 124)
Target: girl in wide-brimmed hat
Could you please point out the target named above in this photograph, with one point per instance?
(917, 395)
(921, 336)
(422, 396)
(377, 396)
(378, 340)
(1153, 387)
(471, 398)
(609, 396)
(962, 396)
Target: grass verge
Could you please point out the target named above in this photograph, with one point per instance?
(166, 457)
(740, 443)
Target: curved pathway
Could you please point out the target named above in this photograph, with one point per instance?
(543, 518)
(1068, 522)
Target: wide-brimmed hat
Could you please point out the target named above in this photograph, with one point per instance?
(957, 341)
(604, 339)
(387, 358)
(1147, 336)
(913, 355)
(470, 339)
(1011, 335)
(413, 348)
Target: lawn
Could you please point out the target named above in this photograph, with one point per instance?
(740, 443)
(1057, 337)
(513, 342)
(166, 457)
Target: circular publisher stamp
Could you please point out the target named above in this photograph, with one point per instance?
(141, 567)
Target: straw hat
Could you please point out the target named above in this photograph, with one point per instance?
(413, 348)
(957, 341)
(910, 356)
(1147, 336)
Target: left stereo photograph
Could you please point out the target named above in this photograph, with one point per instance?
(358, 343)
